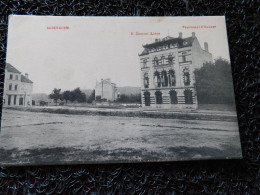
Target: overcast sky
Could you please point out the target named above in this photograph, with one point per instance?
(96, 47)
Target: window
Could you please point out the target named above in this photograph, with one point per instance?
(186, 75)
(144, 63)
(170, 59)
(172, 79)
(15, 87)
(158, 96)
(173, 97)
(156, 61)
(188, 96)
(157, 79)
(16, 77)
(11, 76)
(10, 87)
(164, 79)
(183, 58)
(163, 60)
(147, 98)
(146, 80)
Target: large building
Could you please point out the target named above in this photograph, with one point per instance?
(167, 71)
(105, 89)
(17, 88)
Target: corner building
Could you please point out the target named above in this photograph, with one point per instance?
(167, 72)
(18, 88)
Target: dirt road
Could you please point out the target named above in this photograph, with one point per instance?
(44, 138)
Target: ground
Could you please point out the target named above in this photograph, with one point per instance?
(48, 138)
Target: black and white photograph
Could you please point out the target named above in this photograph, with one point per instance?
(86, 90)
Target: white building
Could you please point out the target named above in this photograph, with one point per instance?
(17, 88)
(167, 71)
(105, 89)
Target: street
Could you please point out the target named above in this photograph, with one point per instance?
(44, 138)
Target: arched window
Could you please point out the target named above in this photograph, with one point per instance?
(172, 79)
(173, 97)
(158, 97)
(144, 63)
(147, 98)
(146, 80)
(157, 79)
(183, 57)
(163, 60)
(170, 59)
(164, 79)
(186, 76)
(188, 96)
(156, 61)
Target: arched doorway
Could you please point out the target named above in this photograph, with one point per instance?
(188, 96)
(173, 97)
(147, 98)
(158, 96)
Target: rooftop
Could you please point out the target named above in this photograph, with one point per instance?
(10, 68)
(181, 42)
(25, 80)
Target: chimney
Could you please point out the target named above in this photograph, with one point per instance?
(206, 47)
(26, 75)
(193, 34)
(180, 35)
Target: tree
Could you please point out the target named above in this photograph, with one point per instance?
(66, 95)
(214, 83)
(91, 97)
(56, 95)
(78, 95)
(132, 98)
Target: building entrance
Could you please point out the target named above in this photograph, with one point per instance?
(147, 98)
(21, 101)
(9, 99)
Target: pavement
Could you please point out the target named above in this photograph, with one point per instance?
(51, 138)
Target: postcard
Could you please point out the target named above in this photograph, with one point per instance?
(86, 90)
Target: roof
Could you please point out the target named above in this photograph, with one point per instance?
(10, 68)
(108, 81)
(145, 52)
(25, 80)
(168, 40)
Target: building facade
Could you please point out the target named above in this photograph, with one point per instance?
(18, 88)
(105, 89)
(167, 71)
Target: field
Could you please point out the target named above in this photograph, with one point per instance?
(48, 138)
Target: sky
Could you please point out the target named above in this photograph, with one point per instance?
(97, 47)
